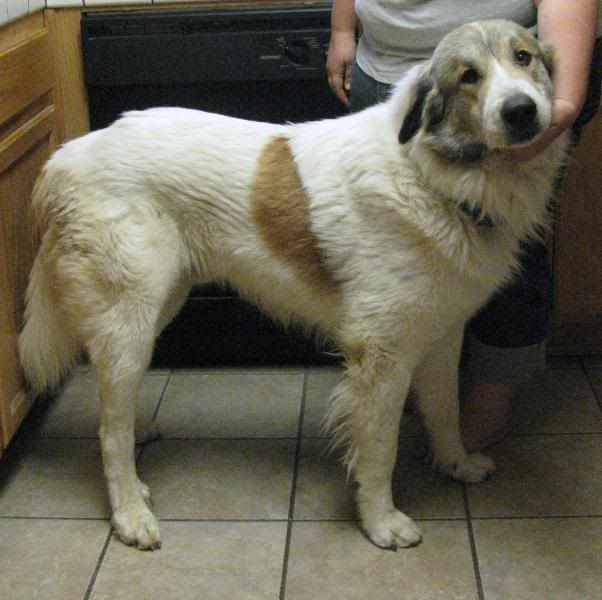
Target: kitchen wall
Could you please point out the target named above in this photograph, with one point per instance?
(13, 9)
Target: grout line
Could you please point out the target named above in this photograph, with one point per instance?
(217, 520)
(271, 370)
(473, 545)
(410, 436)
(98, 565)
(165, 438)
(554, 434)
(291, 509)
(358, 520)
(536, 517)
(139, 448)
(46, 518)
(591, 384)
(161, 397)
(309, 519)
(313, 438)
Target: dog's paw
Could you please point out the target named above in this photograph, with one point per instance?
(137, 528)
(393, 530)
(473, 468)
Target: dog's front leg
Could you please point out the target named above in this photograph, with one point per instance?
(436, 385)
(367, 407)
(134, 523)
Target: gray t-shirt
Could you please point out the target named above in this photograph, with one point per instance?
(397, 34)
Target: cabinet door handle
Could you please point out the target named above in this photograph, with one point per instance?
(18, 142)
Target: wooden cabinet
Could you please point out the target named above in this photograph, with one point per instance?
(577, 327)
(27, 137)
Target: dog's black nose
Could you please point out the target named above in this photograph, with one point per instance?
(519, 111)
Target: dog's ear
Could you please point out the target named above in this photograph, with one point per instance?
(425, 104)
(412, 120)
(547, 55)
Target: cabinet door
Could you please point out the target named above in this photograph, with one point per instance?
(17, 247)
(27, 126)
(577, 324)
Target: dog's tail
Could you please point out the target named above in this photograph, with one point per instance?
(47, 347)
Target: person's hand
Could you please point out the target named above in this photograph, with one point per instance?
(341, 56)
(563, 116)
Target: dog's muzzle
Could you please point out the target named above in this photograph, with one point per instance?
(519, 114)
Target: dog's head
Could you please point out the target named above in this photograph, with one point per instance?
(487, 87)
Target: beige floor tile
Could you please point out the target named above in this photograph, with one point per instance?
(48, 559)
(323, 491)
(209, 561)
(75, 412)
(55, 478)
(539, 559)
(232, 403)
(219, 479)
(561, 401)
(557, 475)
(320, 384)
(334, 560)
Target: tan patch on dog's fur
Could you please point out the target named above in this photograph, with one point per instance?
(280, 209)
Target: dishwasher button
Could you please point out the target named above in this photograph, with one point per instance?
(298, 52)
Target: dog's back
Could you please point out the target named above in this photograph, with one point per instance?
(160, 200)
(113, 199)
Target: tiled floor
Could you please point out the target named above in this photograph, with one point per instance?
(252, 508)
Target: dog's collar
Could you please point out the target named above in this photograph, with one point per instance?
(476, 215)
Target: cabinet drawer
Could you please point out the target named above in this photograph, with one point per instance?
(26, 74)
(25, 135)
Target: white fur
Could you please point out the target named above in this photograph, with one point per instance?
(135, 214)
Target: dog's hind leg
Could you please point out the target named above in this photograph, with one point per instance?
(436, 385)
(119, 329)
(146, 432)
(120, 353)
(365, 412)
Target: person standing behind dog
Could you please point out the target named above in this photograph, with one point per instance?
(506, 340)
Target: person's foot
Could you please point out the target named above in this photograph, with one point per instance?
(485, 412)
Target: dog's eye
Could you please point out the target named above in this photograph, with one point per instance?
(470, 76)
(522, 57)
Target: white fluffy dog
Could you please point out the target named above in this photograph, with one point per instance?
(385, 230)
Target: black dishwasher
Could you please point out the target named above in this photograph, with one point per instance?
(261, 64)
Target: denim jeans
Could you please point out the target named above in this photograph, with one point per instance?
(505, 341)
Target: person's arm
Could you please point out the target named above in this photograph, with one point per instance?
(341, 51)
(571, 28)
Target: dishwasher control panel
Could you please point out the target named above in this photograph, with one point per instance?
(205, 45)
